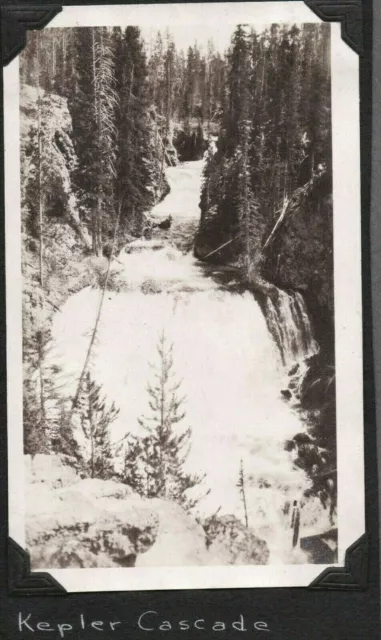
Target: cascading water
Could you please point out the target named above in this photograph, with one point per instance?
(290, 325)
(223, 351)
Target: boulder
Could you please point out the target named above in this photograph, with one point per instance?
(230, 542)
(180, 541)
(60, 159)
(142, 244)
(74, 522)
(49, 470)
(166, 223)
(322, 548)
(90, 523)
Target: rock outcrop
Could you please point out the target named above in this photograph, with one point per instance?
(301, 258)
(229, 539)
(321, 548)
(56, 156)
(89, 523)
(190, 141)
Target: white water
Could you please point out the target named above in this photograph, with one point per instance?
(289, 322)
(183, 198)
(231, 369)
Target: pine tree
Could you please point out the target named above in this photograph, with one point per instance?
(34, 425)
(94, 418)
(106, 103)
(274, 139)
(189, 85)
(238, 84)
(42, 399)
(156, 74)
(139, 155)
(248, 208)
(154, 464)
(81, 103)
(134, 465)
(93, 104)
(242, 490)
(170, 449)
(170, 81)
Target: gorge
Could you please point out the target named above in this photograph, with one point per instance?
(214, 274)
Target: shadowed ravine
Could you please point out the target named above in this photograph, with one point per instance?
(233, 368)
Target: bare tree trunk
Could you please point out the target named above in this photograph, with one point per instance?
(131, 83)
(95, 213)
(147, 475)
(41, 240)
(263, 75)
(247, 216)
(242, 488)
(245, 507)
(91, 434)
(41, 380)
(53, 59)
(93, 336)
(99, 224)
(39, 136)
(162, 171)
(162, 411)
(94, 230)
(100, 194)
(63, 80)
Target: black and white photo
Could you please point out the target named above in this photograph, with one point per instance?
(186, 307)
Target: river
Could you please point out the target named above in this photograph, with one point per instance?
(231, 368)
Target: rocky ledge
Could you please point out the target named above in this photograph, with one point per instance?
(87, 523)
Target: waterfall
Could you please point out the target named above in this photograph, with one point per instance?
(290, 325)
(225, 353)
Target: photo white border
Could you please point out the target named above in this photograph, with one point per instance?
(348, 299)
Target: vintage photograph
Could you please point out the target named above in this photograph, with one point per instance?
(179, 372)
(179, 388)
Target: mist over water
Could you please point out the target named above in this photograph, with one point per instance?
(232, 369)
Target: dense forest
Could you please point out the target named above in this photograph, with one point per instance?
(274, 149)
(110, 119)
(127, 110)
(107, 115)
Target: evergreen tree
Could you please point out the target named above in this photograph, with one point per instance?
(34, 423)
(154, 464)
(247, 206)
(170, 81)
(94, 419)
(139, 157)
(42, 400)
(93, 104)
(156, 74)
(274, 141)
(81, 103)
(242, 490)
(190, 85)
(106, 103)
(238, 83)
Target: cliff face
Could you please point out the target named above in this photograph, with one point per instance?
(190, 142)
(301, 258)
(53, 159)
(56, 260)
(51, 224)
